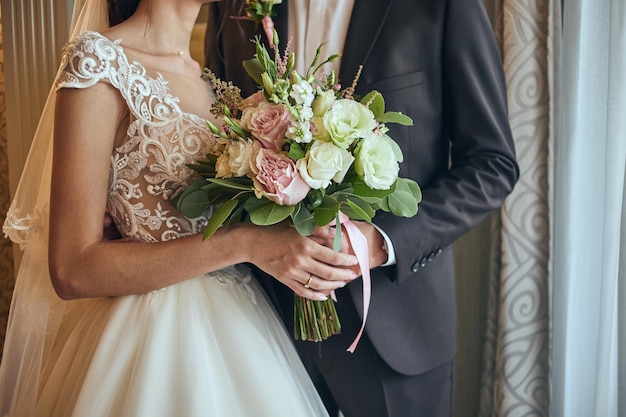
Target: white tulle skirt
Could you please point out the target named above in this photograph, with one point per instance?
(210, 346)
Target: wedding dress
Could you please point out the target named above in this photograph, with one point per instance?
(209, 346)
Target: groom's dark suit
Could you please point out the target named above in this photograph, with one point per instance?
(435, 60)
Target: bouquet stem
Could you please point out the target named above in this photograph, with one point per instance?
(315, 320)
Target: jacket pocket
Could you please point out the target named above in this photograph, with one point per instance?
(398, 83)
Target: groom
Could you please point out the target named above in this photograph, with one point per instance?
(435, 60)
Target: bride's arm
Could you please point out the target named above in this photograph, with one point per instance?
(83, 264)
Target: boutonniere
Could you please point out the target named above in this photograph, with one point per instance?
(261, 12)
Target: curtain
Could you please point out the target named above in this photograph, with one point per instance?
(6, 248)
(516, 361)
(589, 230)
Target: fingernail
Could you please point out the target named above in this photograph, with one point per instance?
(341, 284)
(322, 297)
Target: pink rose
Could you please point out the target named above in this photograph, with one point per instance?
(253, 100)
(268, 123)
(277, 178)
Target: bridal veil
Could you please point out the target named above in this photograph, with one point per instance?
(36, 310)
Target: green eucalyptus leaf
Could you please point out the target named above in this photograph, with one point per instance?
(337, 238)
(402, 202)
(315, 197)
(270, 213)
(375, 102)
(296, 151)
(326, 211)
(363, 190)
(232, 183)
(354, 212)
(220, 215)
(395, 117)
(303, 221)
(193, 203)
(254, 69)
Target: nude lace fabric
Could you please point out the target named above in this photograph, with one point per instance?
(149, 168)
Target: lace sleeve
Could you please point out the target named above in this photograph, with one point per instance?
(87, 60)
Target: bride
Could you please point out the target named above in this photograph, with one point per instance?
(160, 323)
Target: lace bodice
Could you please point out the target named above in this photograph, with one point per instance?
(149, 168)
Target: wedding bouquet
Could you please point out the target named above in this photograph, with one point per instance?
(300, 149)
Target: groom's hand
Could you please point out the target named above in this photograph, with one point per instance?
(375, 242)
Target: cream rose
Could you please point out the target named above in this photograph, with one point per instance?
(324, 162)
(276, 178)
(236, 158)
(376, 162)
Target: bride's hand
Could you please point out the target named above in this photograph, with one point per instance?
(310, 269)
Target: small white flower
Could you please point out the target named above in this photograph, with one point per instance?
(302, 93)
(300, 132)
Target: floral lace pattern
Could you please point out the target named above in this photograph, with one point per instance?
(19, 228)
(149, 168)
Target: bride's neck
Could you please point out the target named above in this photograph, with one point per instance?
(164, 27)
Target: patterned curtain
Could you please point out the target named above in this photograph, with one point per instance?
(516, 362)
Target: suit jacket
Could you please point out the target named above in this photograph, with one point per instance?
(436, 61)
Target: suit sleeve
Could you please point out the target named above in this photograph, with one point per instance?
(482, 167)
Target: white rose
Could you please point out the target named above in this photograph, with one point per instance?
(324, 162)
(348, 120)
(376, 162)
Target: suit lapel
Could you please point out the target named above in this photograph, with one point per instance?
(368, 18)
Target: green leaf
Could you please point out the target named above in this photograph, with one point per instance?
(254, 69)
(356, 211)
(232, 183)
(303, 221)
(337, 238)
(403, 202)
(193, 203)
(363, 190)
(395, 117)
(375, 102)
(220, 215)
(270, 213)
(296, 151)
(326, 212)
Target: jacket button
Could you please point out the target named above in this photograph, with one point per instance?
(423, 262)
(415, 267)
(431, 256)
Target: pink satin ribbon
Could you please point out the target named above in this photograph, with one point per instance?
(361, 250)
